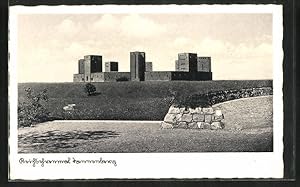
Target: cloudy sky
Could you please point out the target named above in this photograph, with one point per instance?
(49, 45)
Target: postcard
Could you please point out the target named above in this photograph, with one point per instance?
(145, 92)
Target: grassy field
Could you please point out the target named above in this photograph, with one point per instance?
(126, 100)
(248, 127)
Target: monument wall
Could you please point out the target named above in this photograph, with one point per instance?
(189, 118)
(78, 78)
(114, 76)
(158, 76)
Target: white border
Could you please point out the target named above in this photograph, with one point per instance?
(154, 165)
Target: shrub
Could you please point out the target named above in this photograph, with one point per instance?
(192, 101)
(90, 89)
(211, 98)
(33, 111)
(122, 79)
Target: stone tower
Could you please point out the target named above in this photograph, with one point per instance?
(204, 64)
(111, 66)
(92, 64)
(81, 66)
(137, 66)
(186, 62)
(149, 66)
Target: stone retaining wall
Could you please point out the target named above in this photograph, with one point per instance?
(198, 118)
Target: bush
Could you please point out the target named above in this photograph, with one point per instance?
(192, 101)
(33, 111)
(90, 89)
(211, 98)
(122, 79)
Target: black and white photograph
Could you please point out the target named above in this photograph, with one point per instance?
(154, 82)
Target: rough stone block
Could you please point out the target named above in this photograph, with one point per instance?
(165, 125)
(198, 117)
(182, 125)
(182, 109)
(208, 118)
(186, 117)
(68, 108)
(218, 115)
(208, 110)
(174, 110)
(192, 111)
(206, 125)
(199, 110)
(186, 111)
(192, 125)
(218, 112)
(169, 118)
(217, 125)
(218, 118)
(200, 125)
(177, 118)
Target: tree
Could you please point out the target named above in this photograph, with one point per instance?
(33, 109)
(90, 89)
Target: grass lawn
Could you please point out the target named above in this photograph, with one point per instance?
(126, 100)
(249, 127)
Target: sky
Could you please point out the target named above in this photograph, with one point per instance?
(50, 45)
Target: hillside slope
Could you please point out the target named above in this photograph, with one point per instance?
(126, 100)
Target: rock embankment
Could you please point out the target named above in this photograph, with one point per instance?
(197, 118)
